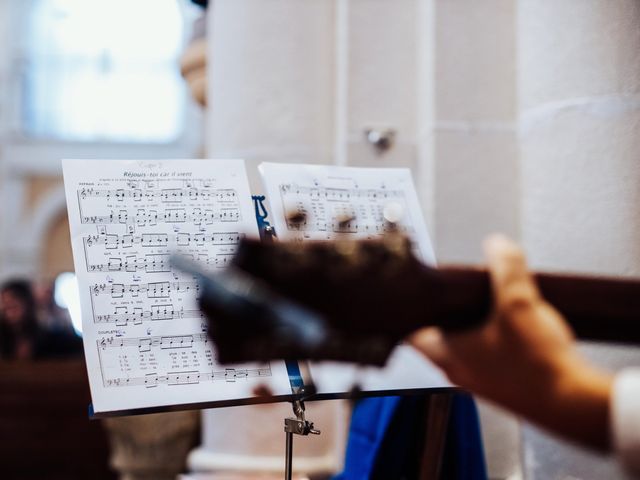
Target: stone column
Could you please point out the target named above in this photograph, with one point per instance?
(475, 115)
(579, 96)
(476, 172)
(271, 81)
(271, 85)
(151, 447)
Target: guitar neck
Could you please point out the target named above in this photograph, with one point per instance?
(597, 308)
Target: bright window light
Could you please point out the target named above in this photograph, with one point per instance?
(104, 70)
(67, 295)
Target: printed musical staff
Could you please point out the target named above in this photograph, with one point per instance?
(152, 217)
(151, 240)
(151, 263)
(165, 195)
(144, 354)
(190, 377)
(155, 263)
(150, 290)
(136, 315)
(340, 194)
(144, 344)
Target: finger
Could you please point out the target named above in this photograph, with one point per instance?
(432, 343)
(515, 291)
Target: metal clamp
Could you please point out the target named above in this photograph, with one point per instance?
(296, 426)
(299, 425)
(267, 232)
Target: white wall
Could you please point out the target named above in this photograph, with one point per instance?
(300, 81)
(521, 116)
(579, 95)
(271, 93)
(476, 171)
(579, 65)
(477, 175)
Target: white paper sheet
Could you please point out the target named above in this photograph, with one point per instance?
(327, 195)
(145, 340)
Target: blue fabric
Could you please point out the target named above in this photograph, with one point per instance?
(386, 434)
(369, 423)
(464, 455)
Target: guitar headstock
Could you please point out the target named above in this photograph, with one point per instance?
(343, 300)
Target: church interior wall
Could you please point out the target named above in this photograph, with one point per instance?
(480, 141)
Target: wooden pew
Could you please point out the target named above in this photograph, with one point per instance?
(45, 432)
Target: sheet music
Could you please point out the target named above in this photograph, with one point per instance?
(343, 201)
(350, 202)
(145, 340)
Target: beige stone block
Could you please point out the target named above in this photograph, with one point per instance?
(262, 450)
(37, 187)
(475, 60)
(401, 155)
(56, 256)
(581, 190)
(476, 192)
(548, 456)
(271, 77)
(383, 58)
(577, 48)
(500, 440)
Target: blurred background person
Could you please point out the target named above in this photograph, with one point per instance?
(59, 339)
(20, 336)
(34, 327)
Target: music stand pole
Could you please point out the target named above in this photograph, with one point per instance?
(298, 426)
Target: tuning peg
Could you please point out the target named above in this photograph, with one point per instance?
(393, 213)
(344, 220)
(296, 217)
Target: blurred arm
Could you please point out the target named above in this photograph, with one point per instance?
(525, 357)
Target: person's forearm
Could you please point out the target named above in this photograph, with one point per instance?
(576, 405)
(525, 357)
